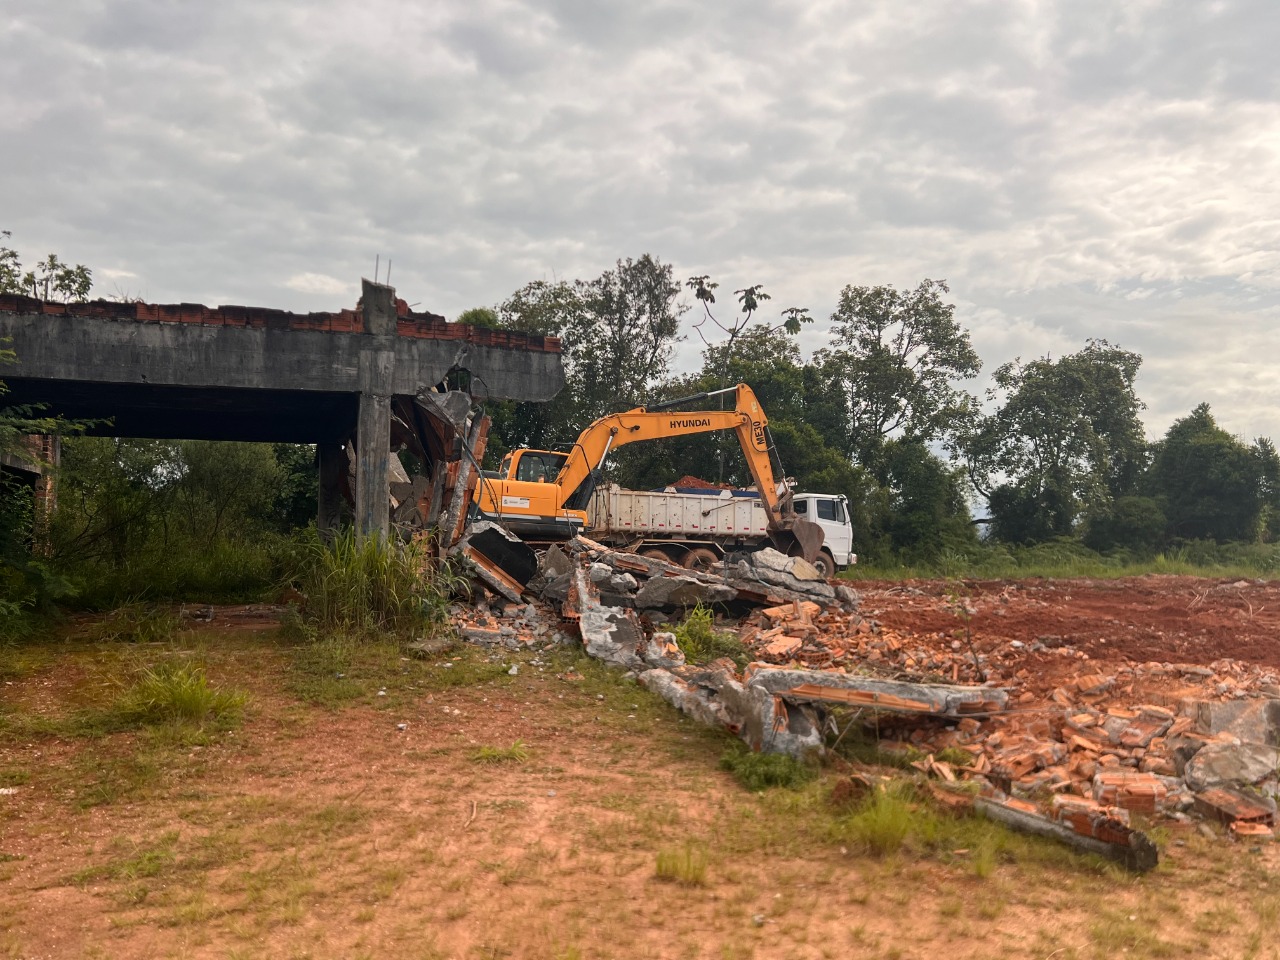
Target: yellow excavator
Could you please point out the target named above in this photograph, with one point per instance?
(543, 495)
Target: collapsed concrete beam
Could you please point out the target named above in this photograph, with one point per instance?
(713, 694)
(895, 696)
(1103, 835)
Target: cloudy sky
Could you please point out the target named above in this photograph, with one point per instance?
(1075, 169)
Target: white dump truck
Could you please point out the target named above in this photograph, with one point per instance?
(697, 527)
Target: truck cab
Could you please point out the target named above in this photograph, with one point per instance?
(831, 513)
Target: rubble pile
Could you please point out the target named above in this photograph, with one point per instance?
(1049, 739)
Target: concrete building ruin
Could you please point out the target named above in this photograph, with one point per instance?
(359, 384)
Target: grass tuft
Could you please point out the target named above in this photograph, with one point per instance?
(516, 753)
(369, 590)
(686, 866)
(178, 694)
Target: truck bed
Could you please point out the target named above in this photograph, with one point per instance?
(643, 513)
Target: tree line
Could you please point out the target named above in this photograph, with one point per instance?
(883, 414)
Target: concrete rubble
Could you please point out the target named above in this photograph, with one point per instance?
(1075, 764)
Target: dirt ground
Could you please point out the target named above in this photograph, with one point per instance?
(366, 825)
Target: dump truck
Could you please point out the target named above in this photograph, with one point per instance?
(547, 496)
(697, 526)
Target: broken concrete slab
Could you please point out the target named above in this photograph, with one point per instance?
(612, 634)
(1098, 833)
(713, 693)
(1253, 721)
(680, 591)
(1221, 763)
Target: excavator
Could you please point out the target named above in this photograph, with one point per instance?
(543, 495)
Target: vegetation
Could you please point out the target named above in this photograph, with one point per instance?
(761, 771)
(686, 866)
(700, 641)
(518, 752)
(369, 590)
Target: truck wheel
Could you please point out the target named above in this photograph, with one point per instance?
(700, 558)
(825, 563)
(655, 553)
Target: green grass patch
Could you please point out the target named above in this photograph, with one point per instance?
(686, 866)
(1065, 558)
(518, 752)
(760, 771)
(138, 623)
(178, 694)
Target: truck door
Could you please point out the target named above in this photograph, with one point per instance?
(830, 514)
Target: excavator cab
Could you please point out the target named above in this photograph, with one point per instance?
(524, 497)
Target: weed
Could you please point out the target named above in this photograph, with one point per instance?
(701, 642)
(759, 771)
(178, 694)
(687, 867)
(885, 818)
(517, 753)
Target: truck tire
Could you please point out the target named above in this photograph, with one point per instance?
(700, 558)
(655, 553)
(825, 563)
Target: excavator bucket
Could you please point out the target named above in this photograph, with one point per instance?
(809, 538)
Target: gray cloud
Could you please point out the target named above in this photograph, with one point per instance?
(1074, 170)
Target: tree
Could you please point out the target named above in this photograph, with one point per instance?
(896, 356)
(1211, 484)
(1066, 435)
(486, 317)
(51, 278)
(617, 333)
(623, 338)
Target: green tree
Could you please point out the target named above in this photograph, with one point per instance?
(622, 341)
(896, 356)
(1065, 436)
(486, 317)
(1211, 484)
(50, 280)
(617, 334)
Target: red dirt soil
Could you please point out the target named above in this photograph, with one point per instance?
(1137, 619)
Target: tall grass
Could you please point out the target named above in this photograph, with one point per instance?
(366, 589)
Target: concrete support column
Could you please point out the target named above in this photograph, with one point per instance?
(332, 463)
(373, 459)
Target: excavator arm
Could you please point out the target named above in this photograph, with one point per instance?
(747, 420)
(536, 506)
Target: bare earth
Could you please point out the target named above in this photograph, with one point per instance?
(328, 831)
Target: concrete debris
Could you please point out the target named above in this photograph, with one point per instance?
(1223, 762)
(1071, 758)
(762, 578)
